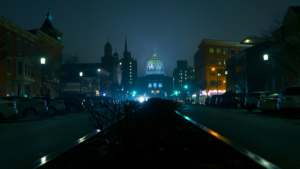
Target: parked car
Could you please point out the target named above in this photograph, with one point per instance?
(252, 99)
(72, 104)
(7, 109)
(234, 100)
(28, 107)
(289, 101)
(218, 100)
(212, 100)
(101, 99)
(269, 103)
(54, 106)
(206, 101)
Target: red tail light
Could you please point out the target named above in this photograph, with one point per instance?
(42, 103)
(61, 102)
(11, 104)
(274, 101)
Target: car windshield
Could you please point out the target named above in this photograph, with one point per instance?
(291, 91)
(275, 95)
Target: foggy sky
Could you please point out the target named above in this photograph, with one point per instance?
(174, 28)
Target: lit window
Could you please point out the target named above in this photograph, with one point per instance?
(130, 65)
(224, 62)
(130, 69)
(185, 74)
(193, 70)
(219, 51)
(157, 91)
(26, 49)
(19, 46)
(149, 85)
(219, 61)
(154, 85)
(120, 63)
(130, 75)
(181, 77)
(130, 72)
(152, 91)
(181, 84)
(130, 82)
(225, 51)
(160, 85)
(130, 62)
(185, 71)
(180, 70)
(211, 50)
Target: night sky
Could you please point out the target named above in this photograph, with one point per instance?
(174, 28)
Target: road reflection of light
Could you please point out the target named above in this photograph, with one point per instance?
(43, 160)
(82, 139)
(98, 130)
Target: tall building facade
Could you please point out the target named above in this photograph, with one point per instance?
(110, 62)
(20, 54)
(210, 64)
(129, 72)
(183, 76)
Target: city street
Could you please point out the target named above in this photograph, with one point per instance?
(273, 137)
(23, 142)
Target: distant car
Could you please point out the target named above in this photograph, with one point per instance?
(234, 100)
(212, 100)
(28, 107)
(7, 109)
(252, 99)
(289, 101)
(54, 106)
(269, 103)
(72, 104)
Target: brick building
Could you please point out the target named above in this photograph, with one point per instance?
(20, 53)
(210, 64)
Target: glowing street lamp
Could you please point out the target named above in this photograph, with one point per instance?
(80, 74)
(213, 69)
(43, 62)
(266, 58)
(98, 86)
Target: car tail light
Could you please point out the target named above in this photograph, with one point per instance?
(274, 101)
(42, 103)
(61, 102)
(11, 104)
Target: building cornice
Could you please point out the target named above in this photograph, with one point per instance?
(16, 29)
(222, 43)
(49, 39)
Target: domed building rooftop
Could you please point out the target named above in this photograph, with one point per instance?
(154, 66)
(108, 45)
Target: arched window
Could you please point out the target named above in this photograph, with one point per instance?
(160, 85)
(154, 85)
(149, 85)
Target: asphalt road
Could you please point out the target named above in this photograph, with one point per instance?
(273, 137)
(21, 143)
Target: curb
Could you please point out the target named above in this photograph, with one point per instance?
(58, 152)
(261, 161)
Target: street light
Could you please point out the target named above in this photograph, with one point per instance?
(185, 87)
(98, 86)
(266, 58)
(80, 74)
(43, 62)
(213, 69)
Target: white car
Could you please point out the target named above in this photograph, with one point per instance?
(252, 99)
(269, 103)
(289, 101)
(7, 109)
(28, 107)
(54, 106)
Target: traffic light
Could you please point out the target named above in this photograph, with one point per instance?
(176, 92)
(185, 86)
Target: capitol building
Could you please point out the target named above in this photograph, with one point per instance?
(155, 83)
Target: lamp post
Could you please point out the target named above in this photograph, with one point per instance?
(185, 87)
(43, 62)
(266, 58)
(80, 74)
(98, 86)
(213, 69)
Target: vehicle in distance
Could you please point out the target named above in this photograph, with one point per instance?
(54, 106)
(269, 103)
(72, 104)
(289, 101)
(252, 99)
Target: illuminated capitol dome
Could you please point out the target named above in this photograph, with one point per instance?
(155, 66)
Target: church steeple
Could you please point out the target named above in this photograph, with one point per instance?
(125, 44)
(49, 16)
(47, 23)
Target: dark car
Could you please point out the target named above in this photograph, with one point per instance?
(218, 100)
(234, 100)
(212, 100)
(206, 101)
(72, 104)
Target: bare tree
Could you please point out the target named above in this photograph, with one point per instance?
(285, 35)
(55, 76)
(240, 73)
(204, 86)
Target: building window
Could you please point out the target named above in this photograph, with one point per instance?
(130, 63)
(154, 85)
(218, 51)
(130, 69)
(219, 72)
(8, 65)
(25, 69)
(130, 79)
(9, 41)
(130, 82)
(185, 74)
(26, 49)
(212, 61)
(37, 86)
(212, 83)
(38, 47)
(219, 61)
(32, 52)
(211, 50)
(19, 46)
(160, 85)
(181, 77)
(224, 61)
(45, 50)
(20, 68)
(31, 71)
(212, 73)
(157, 91)
(284, 82)
(297, 80)
(130, 75)
(130, 72)
(121, 63)
(185, 71)
(225, 51)
(152, 91)
(193, 70)
(28, 70)
(8, 88)
(149, 85)
(54, 54)
(232, 51)
(180, 70)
